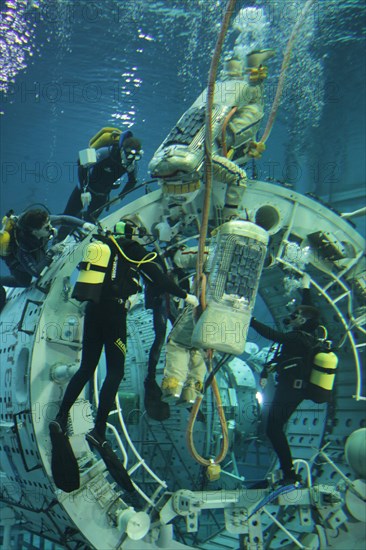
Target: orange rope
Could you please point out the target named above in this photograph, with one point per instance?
(208, 136)
(192, 420)
(223, 131)
(203, 232)
(197, 405)
(284, 67)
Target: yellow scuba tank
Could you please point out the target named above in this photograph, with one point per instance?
(105, 138)
(93, 267)
(6, 234)
(322, 376)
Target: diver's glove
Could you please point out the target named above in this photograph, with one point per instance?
(85, 199)
(256, 149)
(56, 249)
(192, 300)
(263, 382)
(87, 226)
(263, 378)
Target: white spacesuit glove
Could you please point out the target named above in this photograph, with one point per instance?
(88, 226)
(85, 199)
(192, 300)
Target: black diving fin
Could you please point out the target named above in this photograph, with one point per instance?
(64, 466)
(111, 460)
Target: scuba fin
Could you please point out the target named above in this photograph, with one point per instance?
(112, 462)
(2, 297)
(64, 466)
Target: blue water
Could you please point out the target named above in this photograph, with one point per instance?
(71, 67)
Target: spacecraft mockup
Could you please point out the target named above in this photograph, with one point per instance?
(257, 254)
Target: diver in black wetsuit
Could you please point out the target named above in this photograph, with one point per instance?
(162, 310)
(29, 253)
(97, 181)
(291, 368)
(105, 325)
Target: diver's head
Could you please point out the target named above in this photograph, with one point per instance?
(128, 229)
(303, 317)
(131, 150)
(37, 222)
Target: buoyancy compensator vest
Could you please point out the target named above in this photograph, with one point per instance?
(93, 268)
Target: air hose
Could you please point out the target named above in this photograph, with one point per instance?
(196, 407)
(191, 422)
(150, 256)
(203, 234)
(284, 67)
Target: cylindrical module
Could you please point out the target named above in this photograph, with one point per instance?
(232, 287)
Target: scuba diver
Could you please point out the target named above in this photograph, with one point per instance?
(162, 310)
(292, 364)
(106, 318)
(116, 154)
(24, 243)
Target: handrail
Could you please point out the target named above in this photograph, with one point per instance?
(140, 460)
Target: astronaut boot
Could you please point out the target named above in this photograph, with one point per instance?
(255, 68)
(191, 390)
(233, 68)
(231, 212)
(171, 388)
(233, 198)
(256, 58)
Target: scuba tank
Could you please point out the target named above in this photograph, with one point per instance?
(93, 267)
(6, 234)
(106, 137)
(323, 370)
(322, 375)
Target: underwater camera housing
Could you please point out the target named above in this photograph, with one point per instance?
(87, 157)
